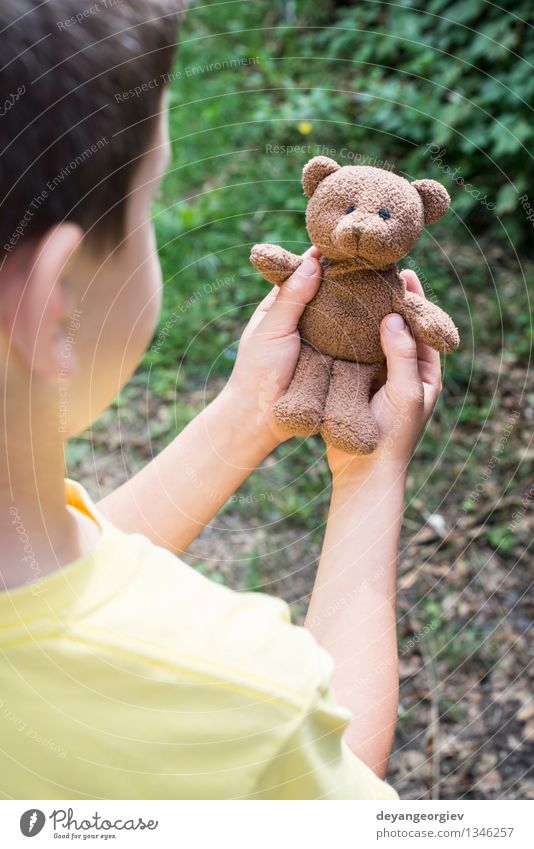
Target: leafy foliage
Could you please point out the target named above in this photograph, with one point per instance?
(452, 75)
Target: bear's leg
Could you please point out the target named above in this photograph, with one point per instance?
(347, 421)
(300, 409)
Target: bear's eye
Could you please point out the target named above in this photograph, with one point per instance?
(384, 213)
(349, 209)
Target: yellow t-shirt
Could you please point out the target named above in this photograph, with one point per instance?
(128, 675)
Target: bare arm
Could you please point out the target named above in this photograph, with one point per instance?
(352, 609)
(178, 492)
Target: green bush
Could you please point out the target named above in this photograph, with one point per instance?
(444, 88)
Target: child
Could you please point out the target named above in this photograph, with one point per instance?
(124, 673)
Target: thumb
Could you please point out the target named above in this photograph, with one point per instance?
(294, 294)
(400, 349)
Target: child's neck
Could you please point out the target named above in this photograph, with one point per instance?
(38, 532)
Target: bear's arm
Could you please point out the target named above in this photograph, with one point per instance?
(428, 323)
(275, 263)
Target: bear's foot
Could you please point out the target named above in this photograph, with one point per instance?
(354, 437)
(297, 419)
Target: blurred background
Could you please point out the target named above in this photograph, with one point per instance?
(444, 90)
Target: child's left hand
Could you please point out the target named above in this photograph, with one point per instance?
(270, 347)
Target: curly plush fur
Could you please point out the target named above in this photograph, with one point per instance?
(363, 220)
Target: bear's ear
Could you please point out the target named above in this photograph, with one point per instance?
(435, 199)
(316, 170)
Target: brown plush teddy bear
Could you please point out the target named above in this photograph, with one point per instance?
(363, 220)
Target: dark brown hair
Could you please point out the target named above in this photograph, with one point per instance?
(80, 85)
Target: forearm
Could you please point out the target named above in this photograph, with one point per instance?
(352, 609)
(178, 492)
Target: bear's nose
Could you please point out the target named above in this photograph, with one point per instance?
(355, 222)
(357, 226)
(349, 231)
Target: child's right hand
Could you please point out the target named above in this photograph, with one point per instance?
(404, 404)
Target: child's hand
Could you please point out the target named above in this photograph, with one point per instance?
(268, 353)
(404, 403)
(270, 346)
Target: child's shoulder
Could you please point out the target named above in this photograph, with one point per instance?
(241, 636)
(165, 612)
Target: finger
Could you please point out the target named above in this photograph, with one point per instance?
(401, 356)
(259, 313)
(269, 299)
(429, 365)
(265, 305)
(413, 284)
(267, 302)
(429, 360)
(294, 294)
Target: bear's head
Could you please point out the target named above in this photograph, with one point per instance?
(367, 214)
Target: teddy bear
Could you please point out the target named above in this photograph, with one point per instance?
(363, 220)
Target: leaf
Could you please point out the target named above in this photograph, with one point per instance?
(507, 199)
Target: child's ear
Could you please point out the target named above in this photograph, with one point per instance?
(315, 171)
(34, 304)
(435, 199)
